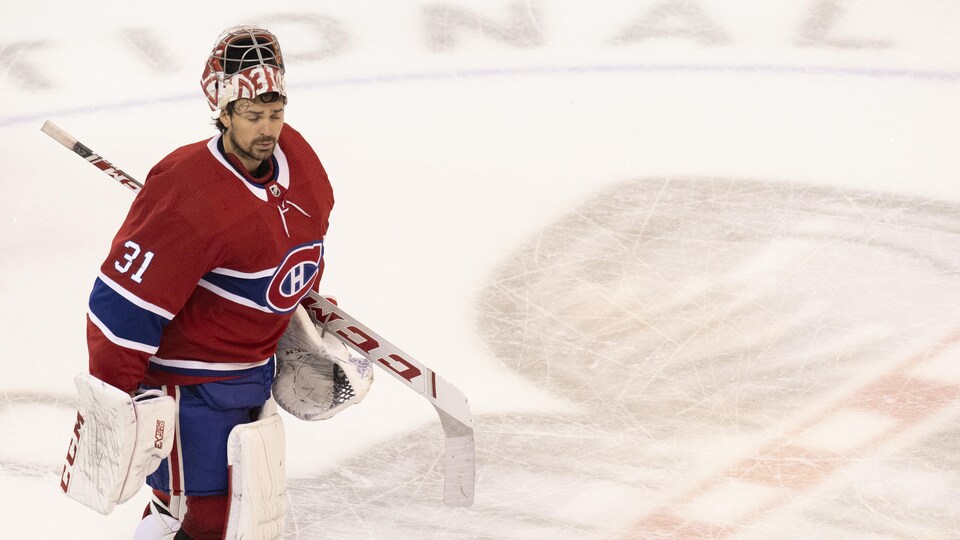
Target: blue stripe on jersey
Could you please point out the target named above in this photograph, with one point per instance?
(251, 289)
(125, 319)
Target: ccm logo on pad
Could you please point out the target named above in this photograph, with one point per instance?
(71, 454)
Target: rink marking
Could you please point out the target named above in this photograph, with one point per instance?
(435, 76)
(805, 456)
(786, 465)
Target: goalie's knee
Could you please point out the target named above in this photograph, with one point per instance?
(205, 517)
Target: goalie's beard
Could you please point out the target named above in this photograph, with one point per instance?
(251, 151)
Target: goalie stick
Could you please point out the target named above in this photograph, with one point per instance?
(459, 468)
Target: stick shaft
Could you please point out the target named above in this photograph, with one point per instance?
(71, 142)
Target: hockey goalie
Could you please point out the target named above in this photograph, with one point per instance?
(195, 329)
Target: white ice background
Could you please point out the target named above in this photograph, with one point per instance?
(649, 240)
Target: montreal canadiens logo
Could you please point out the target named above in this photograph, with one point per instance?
(294, 277)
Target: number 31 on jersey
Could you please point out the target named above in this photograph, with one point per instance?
(130, 257)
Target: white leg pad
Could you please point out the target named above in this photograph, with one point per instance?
(256, 455)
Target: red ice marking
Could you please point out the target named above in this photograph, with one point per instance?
(788, 466)
(666, 524)
(792, 468)
(904, 397)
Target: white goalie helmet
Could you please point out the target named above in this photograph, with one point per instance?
(245, 63)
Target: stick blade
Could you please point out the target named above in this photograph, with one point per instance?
(459, 461)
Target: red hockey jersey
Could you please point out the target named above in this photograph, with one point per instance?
(208, 266)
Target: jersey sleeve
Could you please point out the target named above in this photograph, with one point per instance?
(155, 262)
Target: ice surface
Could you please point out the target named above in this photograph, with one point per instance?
(693, 263)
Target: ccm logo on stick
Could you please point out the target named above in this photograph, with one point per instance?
(400, 366)
(362, 340)
(393, 362)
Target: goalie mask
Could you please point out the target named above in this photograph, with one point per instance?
(245, 63)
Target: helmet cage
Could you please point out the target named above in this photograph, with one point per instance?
(246, 62)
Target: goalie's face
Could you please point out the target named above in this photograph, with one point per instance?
(253, 127)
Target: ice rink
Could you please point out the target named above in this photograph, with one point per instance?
(694, 262)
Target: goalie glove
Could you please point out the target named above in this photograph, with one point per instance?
(316, 375)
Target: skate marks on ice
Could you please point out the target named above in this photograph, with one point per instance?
(31, 454)
(533, 482)
(759, 353)
(747, 360)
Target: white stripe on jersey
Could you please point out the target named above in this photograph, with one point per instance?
(232, 297)
(126, 343)
(244, 275)
(134, 299)
(212, 366)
